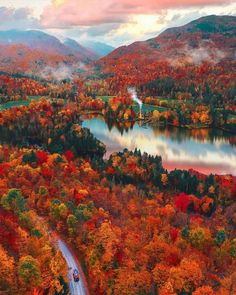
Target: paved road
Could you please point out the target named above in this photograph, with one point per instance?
(76, 288)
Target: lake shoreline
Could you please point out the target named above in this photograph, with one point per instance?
(182, 148)
(153, 123)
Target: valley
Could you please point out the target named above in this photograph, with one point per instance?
(118, 167)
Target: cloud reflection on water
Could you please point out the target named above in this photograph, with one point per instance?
(179, 148)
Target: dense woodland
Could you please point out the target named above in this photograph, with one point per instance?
(211, 110)
(187, 91)
(138, 228)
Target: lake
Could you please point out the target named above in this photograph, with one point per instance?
(205, 150)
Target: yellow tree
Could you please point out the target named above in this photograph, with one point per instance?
(7, 272)
(204, 290)
(58, 268)
(187, 276)
(164, 179)
(29, 272)
(132, 282)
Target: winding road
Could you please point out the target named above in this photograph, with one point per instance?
(76, 288)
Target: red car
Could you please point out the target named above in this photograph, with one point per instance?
(75, 275)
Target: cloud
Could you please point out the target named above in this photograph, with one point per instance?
(67, 13)
(116, 22)
(102, 29)
(20, 18)
(201, 156)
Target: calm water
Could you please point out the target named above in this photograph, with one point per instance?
(204, 150)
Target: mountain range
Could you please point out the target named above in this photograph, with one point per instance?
(211, 38)
(100, 48)
(32, 51)
(41, 41)
(208, 38)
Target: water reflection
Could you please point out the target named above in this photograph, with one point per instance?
(205, 150)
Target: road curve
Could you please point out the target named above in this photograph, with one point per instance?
(76, 288)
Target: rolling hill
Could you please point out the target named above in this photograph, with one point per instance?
(178, 60)
(47, 43)
(79, 50)
(210, 38)
(34, 52)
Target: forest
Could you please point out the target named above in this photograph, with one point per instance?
(117, 169)
(205, 107)
(138, 228)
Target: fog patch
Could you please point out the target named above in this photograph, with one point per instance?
(204, 52)
(62, 71)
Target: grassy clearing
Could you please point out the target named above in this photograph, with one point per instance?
(170, 100)
(105, 98)
(12, 104)
(148, 108)
(145, 108)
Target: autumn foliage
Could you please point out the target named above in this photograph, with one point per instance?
(135, 231)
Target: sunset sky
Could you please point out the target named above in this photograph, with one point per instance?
(115, 22)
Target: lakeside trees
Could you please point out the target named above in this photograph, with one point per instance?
(15, 89)
(137, 226)
(53, 126)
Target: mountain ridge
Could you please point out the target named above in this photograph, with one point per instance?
(214, 33)
(39, 40)
(102, 49)
(211, 23)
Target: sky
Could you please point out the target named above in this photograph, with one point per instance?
(115, 22)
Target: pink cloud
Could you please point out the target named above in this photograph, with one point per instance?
(92, 12)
